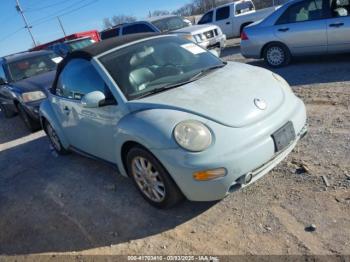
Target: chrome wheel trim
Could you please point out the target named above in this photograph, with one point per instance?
(275, 55)
(55, 141)
(148, 179)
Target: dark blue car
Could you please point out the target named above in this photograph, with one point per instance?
(24, 80)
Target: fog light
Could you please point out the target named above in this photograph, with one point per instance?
(209, 174)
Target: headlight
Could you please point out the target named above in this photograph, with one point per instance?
(33, 96)
(282, 81)
(198, 38)
(192, 135)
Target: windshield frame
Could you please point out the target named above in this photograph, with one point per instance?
(116, 86)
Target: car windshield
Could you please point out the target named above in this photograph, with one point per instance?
(170, 24)
(158, 64)
(32, 66)
(80, 43)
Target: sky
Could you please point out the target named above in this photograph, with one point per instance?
(76, 16)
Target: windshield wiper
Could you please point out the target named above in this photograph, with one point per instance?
(200, 74)
(161, 89)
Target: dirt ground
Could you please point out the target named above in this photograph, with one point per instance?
(75, 205)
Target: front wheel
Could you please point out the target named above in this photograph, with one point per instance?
(276, 55)
(31, 124)
(54, 139)
(151, 179)
(6, 111)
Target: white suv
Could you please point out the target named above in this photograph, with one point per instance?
(207, 36)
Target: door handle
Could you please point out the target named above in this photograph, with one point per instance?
(228, 23)
(336, 25)
(66, 110)
(283, 29)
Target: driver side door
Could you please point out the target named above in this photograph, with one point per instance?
(338, 27)
(223, 20)
(89, 130)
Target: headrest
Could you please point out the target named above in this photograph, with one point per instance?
(136, 59)
(342, 2)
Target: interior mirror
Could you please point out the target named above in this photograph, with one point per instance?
(214, 52)
(2, 81)
(93, 99)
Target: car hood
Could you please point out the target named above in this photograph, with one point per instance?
(227, 96)
(195, 29)
(38, 82)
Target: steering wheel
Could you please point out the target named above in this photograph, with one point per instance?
(178, 68)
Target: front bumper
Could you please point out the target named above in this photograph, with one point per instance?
(32, 109)
(256, 157)
(215, 42)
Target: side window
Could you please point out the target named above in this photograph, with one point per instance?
(244, 7)
(341, 8)
(207, 18)
(78, 78)
(303, 11)
(2, 72)
(110, 33)
(223, 13)
(137, 28)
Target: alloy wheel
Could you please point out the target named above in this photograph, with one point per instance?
(148, 179)
(275, 56)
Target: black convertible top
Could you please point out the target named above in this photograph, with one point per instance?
(105, 45)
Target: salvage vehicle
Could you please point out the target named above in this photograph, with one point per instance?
(233, 17)
(24, 80)
(207, 36)
(172, 116)
(299, 28)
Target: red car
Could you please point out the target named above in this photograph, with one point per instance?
(69, 43)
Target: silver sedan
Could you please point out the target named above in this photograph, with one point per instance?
(300, 27)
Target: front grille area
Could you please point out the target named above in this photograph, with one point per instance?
(209, 34)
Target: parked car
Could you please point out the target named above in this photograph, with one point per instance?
(233, 17)
(63, 48)
(24, 79)
(207, 36)
(93, 35)
(300, 27)
(172, 116)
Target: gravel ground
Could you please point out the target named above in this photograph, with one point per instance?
(75, 205)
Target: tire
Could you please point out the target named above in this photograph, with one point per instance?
(54, 139)
(30, 123)
(151, 179)
(276, 55)
(6, 112)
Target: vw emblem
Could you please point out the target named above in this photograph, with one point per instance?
(260, 103)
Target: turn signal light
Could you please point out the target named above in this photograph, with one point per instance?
(209, 174)
(244, 36)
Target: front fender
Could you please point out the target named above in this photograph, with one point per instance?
(152, 128)
(46, 111)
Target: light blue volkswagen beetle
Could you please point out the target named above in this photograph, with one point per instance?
(172, 116)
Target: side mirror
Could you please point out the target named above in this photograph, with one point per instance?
(215, 52)
(93, 99)
(2, 81)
